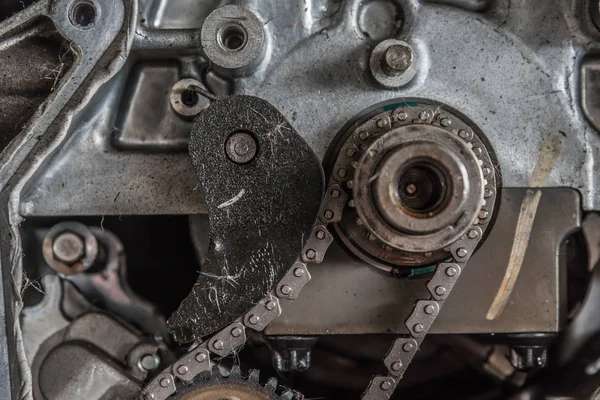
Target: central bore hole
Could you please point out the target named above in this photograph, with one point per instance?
(189, 98)
(233, 37)
(422, 190)
(83, 14)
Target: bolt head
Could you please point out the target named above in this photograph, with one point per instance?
(362, 135)
(310, 254)
(462, 252)
(298, 272)
(396, 366)
(477, 151)
(402, 116)
(451, 271)
(473, 234)
(335, 193)
(483, 214)
(487, 193)
(445, 122)
(419, 328)
(241, 148)
(254, 319)
(397, 59)
(68, 248)
(320, 234)
(149, 362)
(328, 214)
(271, 305)
(350, 153)
(440, 290)
(218, 344)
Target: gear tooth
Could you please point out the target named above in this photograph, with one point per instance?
(236, 372)
(254, 375)
(271, 385)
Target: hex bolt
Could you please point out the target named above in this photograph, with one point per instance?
(408, 347)
(440, 290)
(402, 116)
(68, 248)
(182, 370)
(429, 309)
(200, 357)
(241, 148)
(270, 305)
(218, 344)
(386, 385)
(445, 122)
(418, 328)
(363, 135)
(236, 332)
(286, 290)
(396, 59)
(473, 234)
(350, 153)
(451, 271)
(462, 252)
(477, 151)
(254, 319)
(424, 115)
(298, 272)
(320, 234)
(310, 254)
(396, 366)
(381, 123)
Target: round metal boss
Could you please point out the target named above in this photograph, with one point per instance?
(233, 39)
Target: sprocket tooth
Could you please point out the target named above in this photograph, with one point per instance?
(215, 371)
(254, 375)
(271, 385)
(236, 372)
(288, 395)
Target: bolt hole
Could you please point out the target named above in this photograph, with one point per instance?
(233, 37)
(189, 98)
(422, 190)
(83, 14)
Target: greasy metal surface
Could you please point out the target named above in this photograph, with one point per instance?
(506, 67)
(533, 308)
(260, 213)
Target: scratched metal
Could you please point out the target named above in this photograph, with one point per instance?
(260, 213)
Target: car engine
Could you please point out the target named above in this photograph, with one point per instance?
(267, 199)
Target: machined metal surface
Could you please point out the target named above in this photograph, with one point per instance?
(539, 308)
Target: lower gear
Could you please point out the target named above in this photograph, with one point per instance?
(235, 387)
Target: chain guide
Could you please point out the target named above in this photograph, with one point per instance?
(442, 261)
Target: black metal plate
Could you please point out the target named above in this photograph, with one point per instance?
(260, 213)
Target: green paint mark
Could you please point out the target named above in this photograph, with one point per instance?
(399, 105)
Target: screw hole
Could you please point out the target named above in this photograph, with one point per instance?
(83, 14)
(233, 37)
(189, 98)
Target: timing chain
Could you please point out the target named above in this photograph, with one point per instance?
(228, 340)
